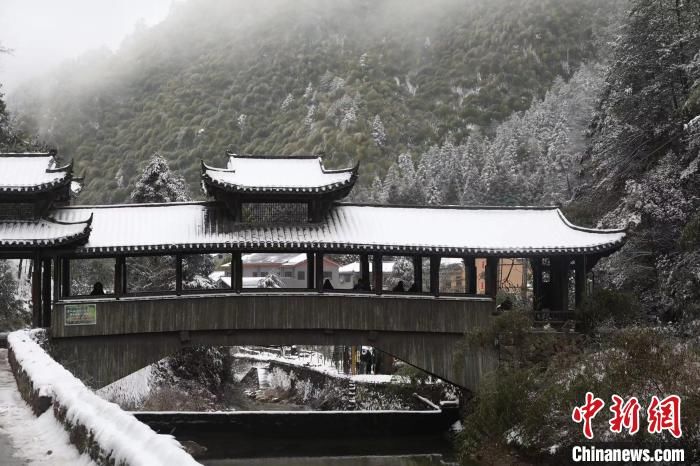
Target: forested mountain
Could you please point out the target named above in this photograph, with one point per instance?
(353, 80)
(643, 166)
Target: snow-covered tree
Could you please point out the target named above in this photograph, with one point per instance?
(13, 314)
(158, 184)
(289, 100)
(241, 121)
(309, 119)
(309, 91)
(378, 131)
(402, 271)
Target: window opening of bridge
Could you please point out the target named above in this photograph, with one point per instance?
(278, 223)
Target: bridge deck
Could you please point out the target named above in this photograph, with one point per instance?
(126, 334)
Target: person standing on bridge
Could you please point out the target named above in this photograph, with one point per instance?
(97, 289)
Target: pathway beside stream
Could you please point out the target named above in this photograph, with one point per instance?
(26, 439)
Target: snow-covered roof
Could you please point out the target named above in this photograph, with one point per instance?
(271, 174)
(450, 231)
(31, 172)
(43, 232)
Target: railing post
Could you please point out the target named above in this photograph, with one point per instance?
(435, 275)
(178, 274)
(470, 272)
(418, 273)
(310, 280)
(491, 276)
(378, 273)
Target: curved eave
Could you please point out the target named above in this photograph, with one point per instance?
(65, 180)
(74, 239)
(333, 247)
(321, 190)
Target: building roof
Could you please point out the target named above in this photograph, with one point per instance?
(450, 231)
(32, 172)
(43, 233)
(354, 267)
(388, 266)
(266, 258)
(276, 174)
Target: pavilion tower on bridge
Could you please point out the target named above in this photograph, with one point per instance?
(276, 204)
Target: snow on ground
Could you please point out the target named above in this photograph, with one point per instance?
(316, 361)
(130, 390)
(32, 437)
(116, 431)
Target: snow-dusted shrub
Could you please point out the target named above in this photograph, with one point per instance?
(527, 403)
(281, 379)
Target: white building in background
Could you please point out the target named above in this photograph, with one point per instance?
(289, 267)
(350, 273)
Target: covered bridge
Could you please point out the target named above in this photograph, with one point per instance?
(279, 204)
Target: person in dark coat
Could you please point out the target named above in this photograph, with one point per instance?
(327, 285)
(97, 289)
(399, 287)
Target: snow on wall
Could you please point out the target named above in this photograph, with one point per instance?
(129, 390)
(120, 436)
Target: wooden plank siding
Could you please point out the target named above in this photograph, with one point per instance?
(276, 311)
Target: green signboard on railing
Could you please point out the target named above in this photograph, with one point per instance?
(80, 314)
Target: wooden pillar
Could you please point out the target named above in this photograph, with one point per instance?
(435, 275)
(237, 271)
(46, 294)
(491, 276)
(364, 270)
(378, 273)
(418, 273)
(580, 280)
(57, 279)
(537, 288)
(119, 276)
(65, 277)
(559, 283)
(310, 280)
(178, 274)
(232, 272)
(36, 291)
(470, 272)
(318, 270)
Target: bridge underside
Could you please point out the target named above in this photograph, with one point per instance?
(100, 361)
(128, 334)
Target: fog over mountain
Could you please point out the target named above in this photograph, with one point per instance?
(43, 33)
(353, 80)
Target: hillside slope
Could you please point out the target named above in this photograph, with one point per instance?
(354, 80)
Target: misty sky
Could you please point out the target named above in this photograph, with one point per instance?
(42, 33)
